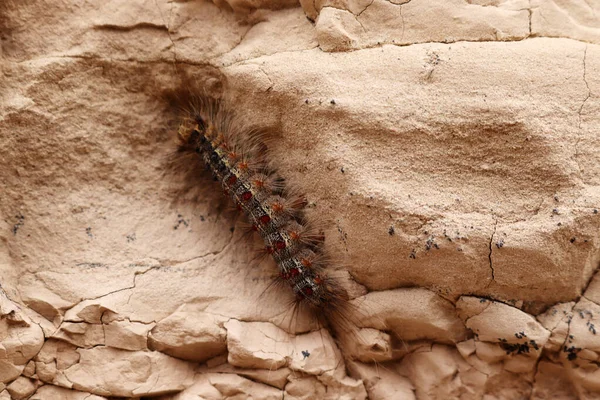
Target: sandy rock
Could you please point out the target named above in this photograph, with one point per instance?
(48, 327)
(232, 385)
(29, 369)
(316, 353)
(257, 345)
(577, 20)
(81, 334)
(9, 371)
(20, 338)
(305, 388)
(411, 314)
(557, 319)
(47, 372)
(21, 388)
(200, 389)
(90, 311)
(63, 353)
(438, 373)
(45, 302)
(54, 357)
(111, 372)
(193, 336)
(500, 323)
(551, 382)
(277, 378)
(448, 146)
(127, 335)
(338, 30)
(262, 345)
(369, 345)
(55, 392)
(382, 383)
(428, 248)
(584, 329)
(592, 292)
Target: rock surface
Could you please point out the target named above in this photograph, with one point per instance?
(449, 150)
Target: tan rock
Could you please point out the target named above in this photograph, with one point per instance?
(551, 382)
(190, 336)
(20, 338)
(584, 328)
(497, 322)
(46, 372)
(234, 385)
(577, 20)
(127, 335)
(21, 388)
(45, 302)
(338, 30)
(29, 369)
(81, 334)
(56, 356)
(257, 345)
(200, 389)
(47, 392)
(277, 378)
(90, 311)
(411, 314)
(9, 371)
(557, 320)
(369, 345)
(111, 372)
(382, 383)
(305, 388)
(63, 353)
(447, 145)
(316, 353)
(436, 374)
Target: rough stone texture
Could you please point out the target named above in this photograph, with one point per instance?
(194, 336)
(55, 392)
(447, 146)
(111, 372)
(21, 388)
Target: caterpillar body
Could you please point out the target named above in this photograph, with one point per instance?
(238, 159)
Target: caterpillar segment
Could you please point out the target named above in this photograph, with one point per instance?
(273, 212)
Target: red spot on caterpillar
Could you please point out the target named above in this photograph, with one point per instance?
(264, 219)
(269, 250)
(318, 280)
(232, 179)
(294, 235)
(294, 272)
(280, 245)
(306, 262)
(258, 183)
(246, 196)
(277, 207)
(307, 291)
(232, 156)
(243, 166)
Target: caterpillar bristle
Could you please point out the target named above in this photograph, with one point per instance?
(238, 158)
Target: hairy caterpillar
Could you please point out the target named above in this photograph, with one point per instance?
(237, 158)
